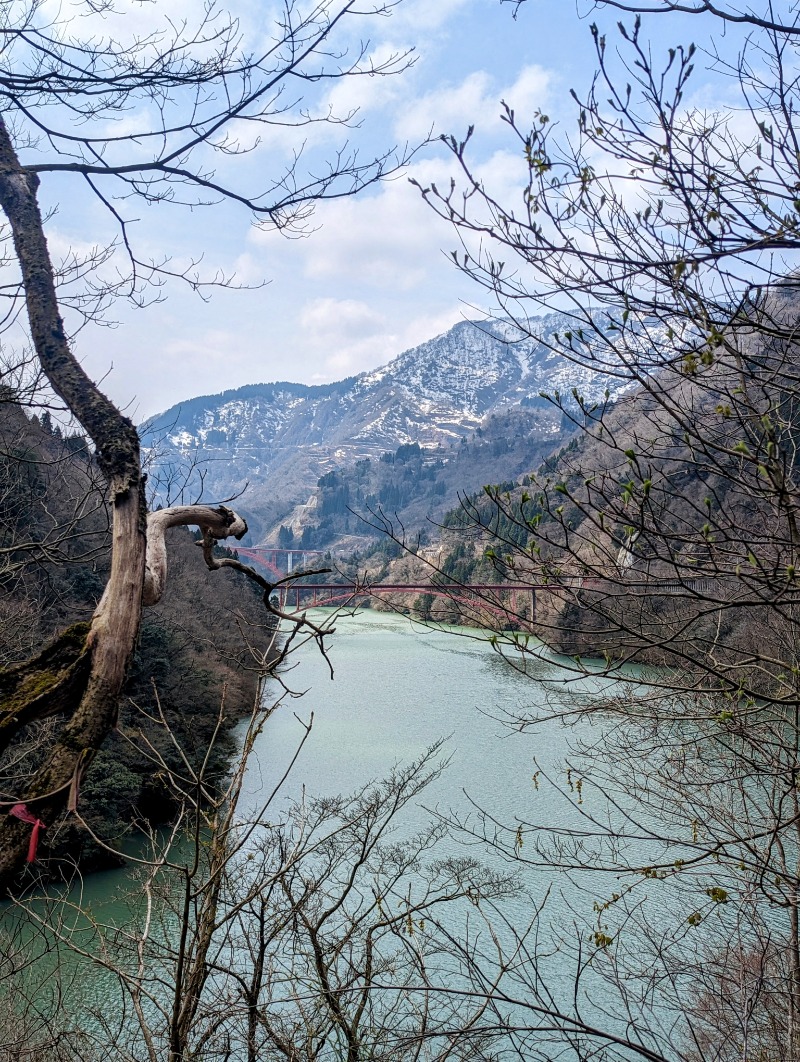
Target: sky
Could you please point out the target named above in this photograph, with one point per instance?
(372, 277)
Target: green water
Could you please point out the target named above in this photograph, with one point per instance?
(398, 688)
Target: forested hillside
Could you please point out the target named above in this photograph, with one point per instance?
(55, 536)
(413, 486)
(666, 531)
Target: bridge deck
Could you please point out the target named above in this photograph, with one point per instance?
(652, 586)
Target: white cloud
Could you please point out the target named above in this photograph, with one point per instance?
(388, 336)
(475, 101)
(532, 90)
(63, 246)
(248, 270)
(130, 21)
(504, 175)
(146, 370)
(389, 245)
(368, 92)
(384, 241)
(200, 359)
(428, 15)
(330, 320)
(448, 110)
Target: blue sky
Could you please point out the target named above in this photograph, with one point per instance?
(373, 278)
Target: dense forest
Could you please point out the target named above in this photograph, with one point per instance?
(188, 663)
(413, 486)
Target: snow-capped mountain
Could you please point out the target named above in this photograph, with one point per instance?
(279, 438)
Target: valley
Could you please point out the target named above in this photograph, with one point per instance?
(476, 401)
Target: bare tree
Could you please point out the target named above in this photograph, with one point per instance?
(666, 531)
(60, 90)
(332, 926)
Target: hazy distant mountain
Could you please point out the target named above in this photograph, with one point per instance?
(280, 438)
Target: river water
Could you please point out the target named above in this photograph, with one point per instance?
(398, 688)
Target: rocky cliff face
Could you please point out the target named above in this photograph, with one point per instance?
(278, 439)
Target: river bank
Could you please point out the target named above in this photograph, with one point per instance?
(196, 673)
(506, 801)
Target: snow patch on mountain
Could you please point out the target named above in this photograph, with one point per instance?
(279, 438)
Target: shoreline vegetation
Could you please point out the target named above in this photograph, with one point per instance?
(193, 665)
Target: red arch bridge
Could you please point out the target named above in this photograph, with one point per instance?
(500, 599)
(281, 562)
(510, 601)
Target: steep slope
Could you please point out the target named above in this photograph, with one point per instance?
(412, 487)
(54, 563)
(668, 532)
(278, 439)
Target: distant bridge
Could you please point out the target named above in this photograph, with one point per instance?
(281, 562)
(479, 596)
(508, 600)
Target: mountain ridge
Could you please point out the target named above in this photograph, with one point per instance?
(276, 440)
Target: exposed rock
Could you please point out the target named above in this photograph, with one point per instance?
(278, 439)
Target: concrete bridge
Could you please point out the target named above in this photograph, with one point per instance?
(282, 562)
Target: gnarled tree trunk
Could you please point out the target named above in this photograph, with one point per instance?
(111, 639)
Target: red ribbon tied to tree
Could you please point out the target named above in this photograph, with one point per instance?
(20, 811)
